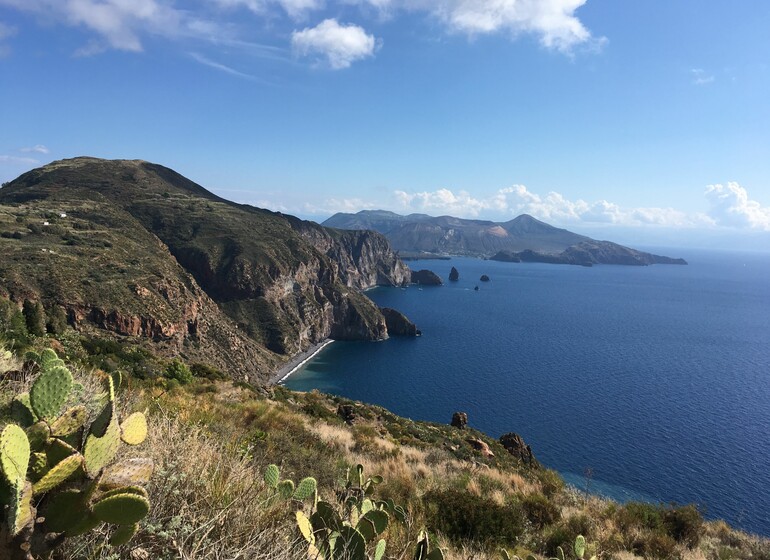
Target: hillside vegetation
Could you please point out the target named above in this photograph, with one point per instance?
(212, 441)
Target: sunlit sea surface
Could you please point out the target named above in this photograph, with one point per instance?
(657, 379)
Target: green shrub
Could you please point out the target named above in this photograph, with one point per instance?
(207, 372)
(462, 516)
(34, 316)
(550, 482)
(659, 547)
(684, 524)
(640, 515)
(540, 510)
(178, 371)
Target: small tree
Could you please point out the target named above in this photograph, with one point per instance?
(34, 315)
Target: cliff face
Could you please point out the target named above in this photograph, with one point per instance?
(138, 250)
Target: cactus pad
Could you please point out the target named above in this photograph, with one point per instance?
(138, 490)
(305, 489)
(38, 435)
(20, 509)
(123, 534)
(50, 390)
(58, 450)
(38, 466)
(129, 472)
(58, 474)
(286, 489)
(379, 551)
(65, 510)
(121, 509)
(272, 476)
(349, 542)
(14, 455)
(378, 518)
(84, 525)
(46, 357)
(69, 422)
(21, 410)
(305, 527)
(100, 451)
(580, 546)
(134, 429)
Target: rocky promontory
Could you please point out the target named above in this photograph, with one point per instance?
(426, 277)
(398, 324)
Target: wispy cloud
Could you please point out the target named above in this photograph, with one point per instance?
(38, 149)
(700, 77)
(336, 44)
(16, 160)
(221, 67)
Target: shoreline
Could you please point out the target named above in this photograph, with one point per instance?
(286, 370)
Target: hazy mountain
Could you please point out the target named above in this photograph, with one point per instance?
(522, 238)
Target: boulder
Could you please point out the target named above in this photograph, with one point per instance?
(426, 278)
(459, 420)
(484, 278)
(481, 447)
(454, 276)
(516, 446)
(346, 412)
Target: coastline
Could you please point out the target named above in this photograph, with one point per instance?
(285, 371)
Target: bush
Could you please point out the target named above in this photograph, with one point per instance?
(207, 372)
(640, 515)
(34, 316)
(465, 517)
(684, 524)
(540, 510)
(550, 482)
(660, 547)
(178, 371)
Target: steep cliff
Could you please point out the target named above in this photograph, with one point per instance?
(137, 250)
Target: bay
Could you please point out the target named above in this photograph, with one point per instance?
(656, 380)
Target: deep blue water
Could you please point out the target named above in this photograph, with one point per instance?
(656, 378)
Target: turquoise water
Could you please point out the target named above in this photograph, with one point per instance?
(655, 378)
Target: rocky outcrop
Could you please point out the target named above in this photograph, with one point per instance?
(425, 277)
(506, 256)
(454, 275)
(347, 413)
(481, 447)
(459, 420)
(398, 324)
(515, 445)
(484, 278)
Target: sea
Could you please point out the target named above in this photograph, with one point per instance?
(637, 383)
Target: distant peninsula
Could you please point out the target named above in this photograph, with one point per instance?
(522, 239)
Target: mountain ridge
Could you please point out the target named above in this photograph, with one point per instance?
(135, 249)
(521, 238)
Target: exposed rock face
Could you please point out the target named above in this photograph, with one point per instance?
(515, 445)
(459, 420)
(347, 413)
(398, 324)
(145, 253)
(481, 447)
(484, 278)
(454, 276)
(426, 278)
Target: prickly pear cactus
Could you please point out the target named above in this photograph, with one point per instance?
(59, 478)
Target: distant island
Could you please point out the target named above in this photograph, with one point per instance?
(522, 239)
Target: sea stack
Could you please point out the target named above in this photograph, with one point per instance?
(454, 276)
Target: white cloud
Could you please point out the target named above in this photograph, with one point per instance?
(730, 206)
(334, 205)
(119, 24)
(511, 201)
(700, 77)
(38, 148)
(339, 45)
(16, 160)
(553, 21)
(294, 8)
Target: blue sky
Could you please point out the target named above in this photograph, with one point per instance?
(645, 118)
